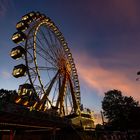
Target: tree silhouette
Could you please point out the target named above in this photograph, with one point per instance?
(120, 110)
(8, 95)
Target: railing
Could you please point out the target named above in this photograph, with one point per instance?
(19, 116)
(118, 135)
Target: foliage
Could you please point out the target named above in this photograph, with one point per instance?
(8, 95)
(120, 110)
(99, 127)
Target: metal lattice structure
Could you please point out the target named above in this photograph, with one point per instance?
(52, 83)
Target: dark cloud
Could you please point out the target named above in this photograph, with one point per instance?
(5, 6)
(2, 8)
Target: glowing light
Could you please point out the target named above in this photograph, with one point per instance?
(26, 103)
(35, 105)
(18, 100)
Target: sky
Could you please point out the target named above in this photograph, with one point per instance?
(103, 36)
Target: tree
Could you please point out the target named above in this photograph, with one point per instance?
(119, 109)
(8, 95)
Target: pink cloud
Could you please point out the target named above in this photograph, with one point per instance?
(116, 10)
(127, 8)
(103, 79)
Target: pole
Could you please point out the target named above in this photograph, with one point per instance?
(11, 135)
(102, 118)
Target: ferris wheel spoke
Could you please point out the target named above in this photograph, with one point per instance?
(30, 44)
(38, 90)
(33, 74)
(61, 95)
(55, 43)
(70, 100)
(56, 50)
(45, 51)
(47, 55)
(55, 92)
(56, 46)
(47, 92)
(52, 63)
(50, 36)
(48, 44)
(46, 58)
(66, 104)
(75, 105)
(29, 56)
(51, 84)
(45, 68)
(35, 77)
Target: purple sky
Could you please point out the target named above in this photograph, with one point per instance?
(103, 36)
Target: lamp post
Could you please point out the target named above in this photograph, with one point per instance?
(102, 116)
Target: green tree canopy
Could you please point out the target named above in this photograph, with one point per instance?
(119, 109)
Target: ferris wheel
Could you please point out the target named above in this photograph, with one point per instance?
(52, 83)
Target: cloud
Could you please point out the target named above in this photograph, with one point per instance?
(115, 10)
(102, 79)
(4, 6)
(126, 8)
(2, 9)
(6, 75)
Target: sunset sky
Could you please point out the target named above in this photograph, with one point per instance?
(103, 35)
